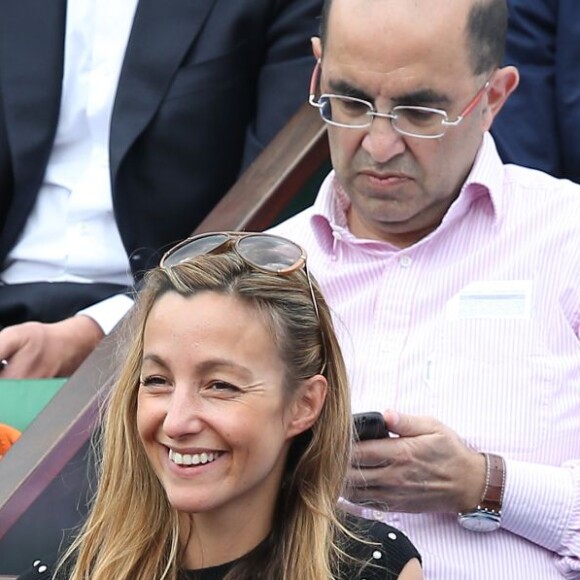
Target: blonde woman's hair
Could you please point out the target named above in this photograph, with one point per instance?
(133, 533)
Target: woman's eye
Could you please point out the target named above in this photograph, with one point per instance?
(224, 387)
(153, 380)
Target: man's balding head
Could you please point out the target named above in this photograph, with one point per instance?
(437, 59)
(485, 26)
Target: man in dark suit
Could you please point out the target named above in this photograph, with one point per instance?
(540, 123)
(202, 86)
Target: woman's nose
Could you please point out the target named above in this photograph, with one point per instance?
(183, 415)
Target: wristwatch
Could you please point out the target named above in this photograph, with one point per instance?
(486, 517)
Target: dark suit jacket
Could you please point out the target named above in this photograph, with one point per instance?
(539, 125)
(204, 85)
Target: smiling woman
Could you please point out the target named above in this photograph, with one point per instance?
(213, 414)
(227, 436)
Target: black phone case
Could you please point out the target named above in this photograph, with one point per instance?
(370, 425)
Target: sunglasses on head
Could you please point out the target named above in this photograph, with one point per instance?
(264, 252)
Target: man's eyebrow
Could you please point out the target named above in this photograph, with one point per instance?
(348, 90)
(418, 98)
(422, 98)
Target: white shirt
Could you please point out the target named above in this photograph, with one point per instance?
(71, 234)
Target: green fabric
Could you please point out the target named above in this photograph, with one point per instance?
(22, 400)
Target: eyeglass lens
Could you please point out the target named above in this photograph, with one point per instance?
(193, 248)
(263, 251)
(351, 112)
(270, 253)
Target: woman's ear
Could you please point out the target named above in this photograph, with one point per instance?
(307, 404)
(502, 85)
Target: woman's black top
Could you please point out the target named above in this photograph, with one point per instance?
(381, 555)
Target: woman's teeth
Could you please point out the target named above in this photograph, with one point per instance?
(192, 459)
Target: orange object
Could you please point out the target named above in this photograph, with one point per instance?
(8, 436)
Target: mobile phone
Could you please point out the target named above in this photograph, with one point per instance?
(370, 425)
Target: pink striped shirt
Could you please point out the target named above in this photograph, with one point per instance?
(478, 325)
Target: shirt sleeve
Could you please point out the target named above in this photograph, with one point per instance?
(542, 504)
(397, 546)
(381, 552)
(109, 312)
(39, 570)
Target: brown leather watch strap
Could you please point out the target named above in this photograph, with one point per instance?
(494, 484)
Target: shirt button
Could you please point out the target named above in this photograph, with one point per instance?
(405, 261)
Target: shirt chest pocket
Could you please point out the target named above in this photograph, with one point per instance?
(492, 380)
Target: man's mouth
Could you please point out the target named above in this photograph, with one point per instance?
(386, 176)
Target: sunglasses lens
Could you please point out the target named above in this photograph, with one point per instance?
(270, 252)
(193, 248)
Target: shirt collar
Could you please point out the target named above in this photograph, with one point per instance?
(487, 176)
(329, 211)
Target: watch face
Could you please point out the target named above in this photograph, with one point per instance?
(480, 521)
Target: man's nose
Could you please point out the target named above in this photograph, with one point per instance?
(382, 142)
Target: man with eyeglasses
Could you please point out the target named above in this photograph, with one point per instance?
(455, 281)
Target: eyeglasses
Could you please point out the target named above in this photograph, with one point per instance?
(353, 113)
(264, 252)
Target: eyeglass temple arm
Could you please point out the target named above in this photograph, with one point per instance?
(472, 104)
(313, 83)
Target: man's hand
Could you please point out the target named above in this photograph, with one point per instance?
(38, 350)
(426, 469)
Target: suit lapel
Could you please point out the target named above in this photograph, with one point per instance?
(31, 68)
(162, 32)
